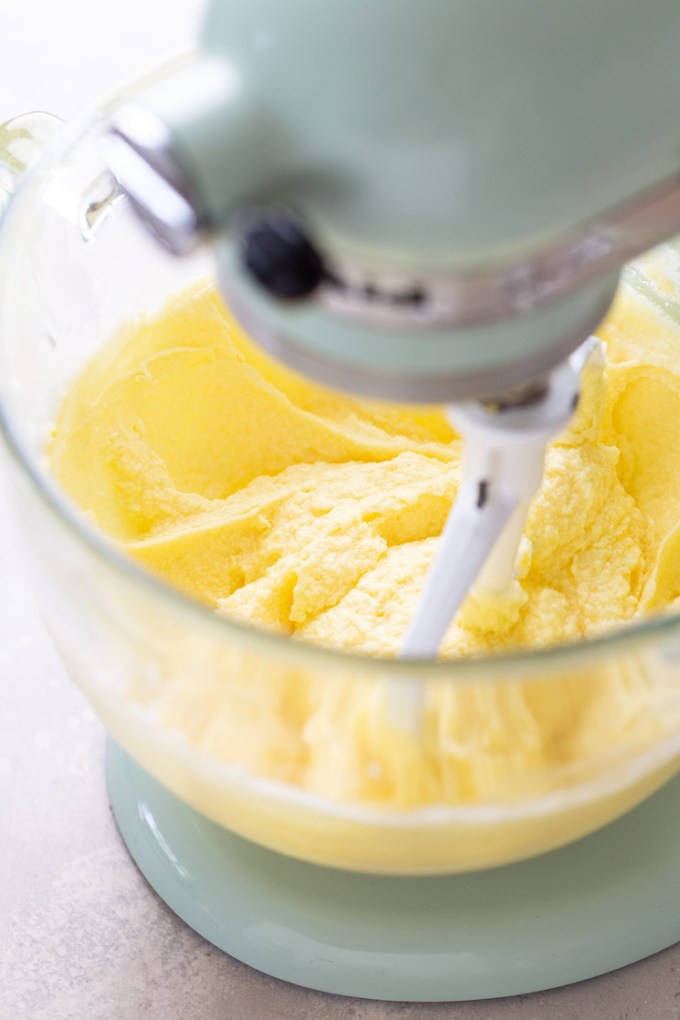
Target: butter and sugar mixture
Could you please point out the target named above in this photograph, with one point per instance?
(316, 515)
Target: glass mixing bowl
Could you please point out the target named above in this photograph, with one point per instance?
(203, 703)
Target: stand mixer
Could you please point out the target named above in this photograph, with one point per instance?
(399, 208)
(423, 203)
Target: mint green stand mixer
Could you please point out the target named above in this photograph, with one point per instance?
(425, 204)
(422, 202)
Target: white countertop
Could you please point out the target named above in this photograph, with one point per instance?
(82, 937)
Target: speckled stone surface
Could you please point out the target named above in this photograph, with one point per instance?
(82, 937)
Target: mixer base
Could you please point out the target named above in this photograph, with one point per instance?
(603, 902)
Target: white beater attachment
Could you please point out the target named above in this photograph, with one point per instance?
(503, 460)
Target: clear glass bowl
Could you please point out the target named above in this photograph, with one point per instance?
(169, 678)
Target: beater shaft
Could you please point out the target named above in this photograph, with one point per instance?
(503, 462)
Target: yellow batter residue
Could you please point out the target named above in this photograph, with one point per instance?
(316, 515)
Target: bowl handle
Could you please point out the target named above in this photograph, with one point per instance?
(22, 141)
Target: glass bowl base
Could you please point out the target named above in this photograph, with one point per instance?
(601, 903)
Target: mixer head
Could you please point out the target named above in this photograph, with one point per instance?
(421, 202)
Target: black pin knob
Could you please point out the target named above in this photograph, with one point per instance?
(277, 252)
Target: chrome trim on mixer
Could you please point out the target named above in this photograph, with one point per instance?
(138, 151)
(505, 290)
(440, 388)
